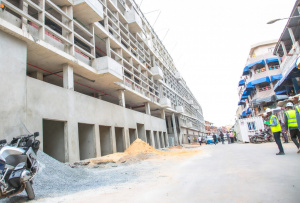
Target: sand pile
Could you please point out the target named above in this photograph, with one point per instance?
(140, 150)
(139, 146)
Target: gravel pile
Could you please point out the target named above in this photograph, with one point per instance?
(56, 179)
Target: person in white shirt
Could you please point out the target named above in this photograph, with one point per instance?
(200, 140)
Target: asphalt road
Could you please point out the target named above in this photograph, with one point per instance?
(221, 173)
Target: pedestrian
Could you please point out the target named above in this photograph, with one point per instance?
(283, 132)
(231, 137)
(276, 129)
(291, 124)
(189, 139)
(222, 137)
(228, 138)
(234, 135)
(215, 139)
(200, 140)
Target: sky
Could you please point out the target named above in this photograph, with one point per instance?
(210, 41)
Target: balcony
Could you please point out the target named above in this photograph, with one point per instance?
(191, 101)
(178, 76)
(134, 21)
(157, 73)
(165, 103)
(107, 66)
(88, 11)
(180, 109)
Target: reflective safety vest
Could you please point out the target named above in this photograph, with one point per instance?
(297, 107)
(276, 128)
(292, 121)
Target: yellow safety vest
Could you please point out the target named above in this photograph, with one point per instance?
(292, 121)
(297, 107)
(276, 128)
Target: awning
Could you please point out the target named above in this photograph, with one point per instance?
(246, 71)
(280, 92)
(276, 77)
(257, 102)
(244, 114)
(244, 97)
(293, 67)
(250, 86)
(262, 62)
(242, 82)
(261, 80)
(270, 60)
(241, 103)
(246, 93)
(279, 97)
(248, 111)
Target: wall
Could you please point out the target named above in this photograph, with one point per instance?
(13, 59)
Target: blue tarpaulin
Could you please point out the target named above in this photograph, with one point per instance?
(261, 80)
(244, 114)
(244, 97)
(270, 60)
(262, 62)
(246, 93)
(241, 103)
(280, 92)
(242, 82)
(248, 111)
(276, 77)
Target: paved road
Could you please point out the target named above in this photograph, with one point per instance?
(221, 173)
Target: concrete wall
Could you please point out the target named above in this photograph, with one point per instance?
(47, 101)
(132, 135)
(120, 139)
(13, 58)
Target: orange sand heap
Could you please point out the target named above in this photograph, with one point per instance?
(140, 150)
(139, 146)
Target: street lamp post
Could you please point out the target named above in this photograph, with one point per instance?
(278, 19)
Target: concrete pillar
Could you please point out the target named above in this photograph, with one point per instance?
(24, 7)
(71, 141)
(163, 139)
(292, 35)
(152, 138)
(68, 79)
(70, 49)
(180, 132)
(295, 84)
(163, 114)
(167, 138)
(174, 129)
(113, 139)
(38, 75)
(147, 107)
(170, 129)
(121, 98)
(279, 60)
(92, 40)
(283, 48)
(97, 140)
(107, 45)
(41, 18)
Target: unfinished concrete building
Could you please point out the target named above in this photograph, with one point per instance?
(91, 76)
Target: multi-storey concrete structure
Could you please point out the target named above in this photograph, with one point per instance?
(91, 76)
(256, 87)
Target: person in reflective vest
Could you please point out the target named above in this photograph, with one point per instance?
(276, 130)
(291, 124)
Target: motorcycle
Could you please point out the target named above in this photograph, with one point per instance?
(18, 165)
(264, 136)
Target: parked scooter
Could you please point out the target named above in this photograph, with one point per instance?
(263, 136)
(18, 165)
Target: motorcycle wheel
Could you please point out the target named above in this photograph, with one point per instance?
(29, 190)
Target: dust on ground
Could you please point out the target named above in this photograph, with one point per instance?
(140, 150)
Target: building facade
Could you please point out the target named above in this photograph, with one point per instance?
(287, 48)
(91, 76)
(256, 85)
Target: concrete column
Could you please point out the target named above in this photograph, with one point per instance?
(68, 79)
(292, 35)
(71, 141)
(70, 49)
(170, 129)
(113, 139)
(163, 114)
(167, 138)
(295, 84)
(174, 129)
(147, 107)
(41, 18)
(279, 60)
(152, 138)
(180, 132)
(38, 75)
(163, 140)
(107, 45)
(127, 139)
(24, 7)
(97, 140)
(283, 48)
(122, 98)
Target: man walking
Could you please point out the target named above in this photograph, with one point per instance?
(228, 138)
(291, 123)
(200, 140)
(276, 129)
(222, 137)
(215, 139)
(189, 139)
